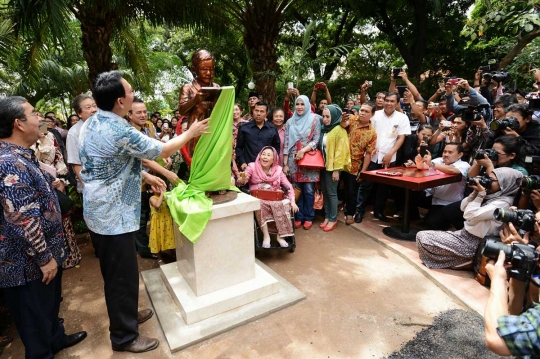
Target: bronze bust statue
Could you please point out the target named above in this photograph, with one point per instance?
(195, 102)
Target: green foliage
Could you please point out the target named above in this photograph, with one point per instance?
(507, 18)
(79, 227)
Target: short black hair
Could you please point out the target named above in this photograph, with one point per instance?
(262, 103)
(370, 104)
(522, 109)
(137, 100)
(392, 93)
(76, 103)
(506, 100)
(424, 103)
(107, 89)
(10, 109)
(459, 146)
(50, 112)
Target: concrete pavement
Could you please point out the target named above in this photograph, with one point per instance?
(363, 301)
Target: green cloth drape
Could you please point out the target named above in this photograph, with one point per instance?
(210, 171)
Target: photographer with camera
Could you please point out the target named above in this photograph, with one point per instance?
(483, 81)
(508, 334)
(506, 152)
(527, 131)
(456, 250)
(476, 100)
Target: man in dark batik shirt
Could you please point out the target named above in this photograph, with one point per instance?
(32, 244)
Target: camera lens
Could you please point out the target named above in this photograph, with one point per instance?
(506, 216)
(492, 248)
(495, 125)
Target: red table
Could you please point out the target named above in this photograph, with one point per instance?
(412, 179)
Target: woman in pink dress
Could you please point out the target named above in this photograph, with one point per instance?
(265, 173)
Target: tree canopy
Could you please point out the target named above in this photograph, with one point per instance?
(51, 50)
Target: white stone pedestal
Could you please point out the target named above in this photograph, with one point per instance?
(223, 255)
(216, 283)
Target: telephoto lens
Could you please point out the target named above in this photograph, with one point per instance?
(530, 182)
(493, 247)
(509, 122)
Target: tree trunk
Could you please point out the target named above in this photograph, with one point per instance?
(262, 21)
(97, 30)
(412, 55)
(265, 68)
(522, 41)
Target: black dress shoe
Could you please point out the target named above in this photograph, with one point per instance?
(358, 218)
(148, 255)
(381, 217)
(74, 339)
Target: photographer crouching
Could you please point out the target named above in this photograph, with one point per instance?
(507, 334)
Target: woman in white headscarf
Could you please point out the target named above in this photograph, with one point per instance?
(456, 250)
(302, 133)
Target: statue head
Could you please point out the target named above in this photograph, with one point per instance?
(202, 66)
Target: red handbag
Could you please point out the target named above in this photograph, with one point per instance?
(312, 160)
(267, 195)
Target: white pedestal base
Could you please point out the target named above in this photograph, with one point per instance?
(196, 308)
(181, 335)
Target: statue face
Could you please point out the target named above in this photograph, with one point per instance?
(205, 72)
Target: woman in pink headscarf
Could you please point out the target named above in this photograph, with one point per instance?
(266, 174)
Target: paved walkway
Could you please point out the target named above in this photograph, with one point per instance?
(366, 296)
(460, 285)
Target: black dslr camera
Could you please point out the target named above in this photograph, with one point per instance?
(500, 76)
(508, 122)
(524, 258)
(532, 164)
(492, 154)
(521, 218)
(528, 183)
(472, 113)
(492, 65)
(485, 181)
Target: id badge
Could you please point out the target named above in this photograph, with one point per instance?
(394, 133)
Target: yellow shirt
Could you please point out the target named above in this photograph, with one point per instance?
(338, 155)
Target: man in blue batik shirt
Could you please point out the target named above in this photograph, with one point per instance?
(32, 244)
(111, 156)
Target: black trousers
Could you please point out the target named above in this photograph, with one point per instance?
(454, 215)
(351, 189)
(118, 262)
(367, 186)
(439, 217)
(35, 308)
(141, 236)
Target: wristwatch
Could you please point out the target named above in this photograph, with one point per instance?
(432, 164)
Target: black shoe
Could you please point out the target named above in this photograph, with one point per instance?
(381, 217)
(148, 255)
(61, 320)
(74, 339)
(358, 218)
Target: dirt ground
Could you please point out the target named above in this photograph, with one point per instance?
(363, 301)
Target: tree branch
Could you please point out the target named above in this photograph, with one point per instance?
(522, 41)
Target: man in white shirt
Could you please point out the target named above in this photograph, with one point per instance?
(391, 127)
(438, 197)
(85, 106)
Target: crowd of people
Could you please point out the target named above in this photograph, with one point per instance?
(122, 160)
